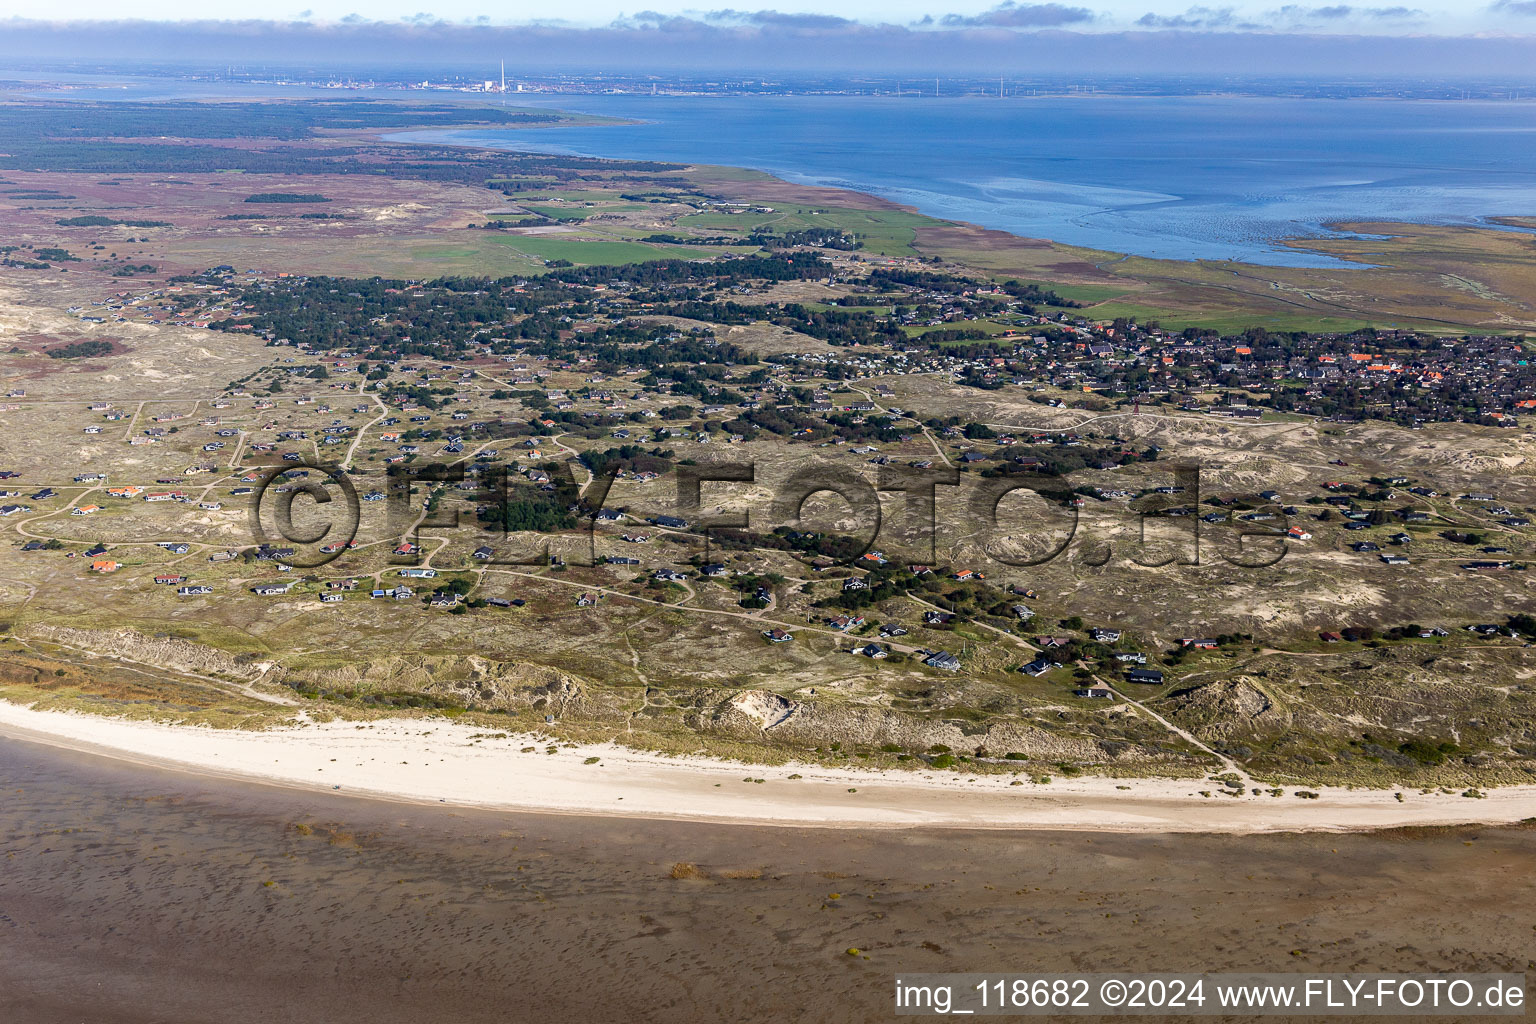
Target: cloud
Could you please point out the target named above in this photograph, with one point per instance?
(657, 22)
(1338, 12)
(1015, 15)
(1514, 7)
(1195, 17)
(777, 19)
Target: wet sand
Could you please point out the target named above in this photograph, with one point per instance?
(134, 894)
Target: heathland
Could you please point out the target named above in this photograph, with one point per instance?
(545, 350)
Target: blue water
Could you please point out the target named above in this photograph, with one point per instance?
(1172, 177)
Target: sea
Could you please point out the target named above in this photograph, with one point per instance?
(134, 895)
(1171, 177)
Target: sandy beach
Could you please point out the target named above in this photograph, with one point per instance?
(428, 761)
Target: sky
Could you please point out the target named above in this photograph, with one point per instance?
(1432, 38)
(1381, 17)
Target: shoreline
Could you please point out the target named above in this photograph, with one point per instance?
(444, 763)
(445, 137)
(1331, 228)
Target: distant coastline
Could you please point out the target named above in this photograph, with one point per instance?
(1199, 178)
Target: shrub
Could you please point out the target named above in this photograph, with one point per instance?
(80, 350)
(1426, 751)
(286, 197)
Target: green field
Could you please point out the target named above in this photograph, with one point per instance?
(985, 326)
(885, 232)
(1084, 293)
(570, 211)
(1235, 321)
(592, 251)
(545, 195)
(565, 213)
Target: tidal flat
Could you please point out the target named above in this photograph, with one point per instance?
(133, 894)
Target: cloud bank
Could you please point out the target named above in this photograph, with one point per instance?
(1011, 37)
(1012, 15)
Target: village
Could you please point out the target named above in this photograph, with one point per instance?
(512, 483)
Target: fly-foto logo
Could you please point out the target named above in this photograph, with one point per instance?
(316, 508)
(320, 528)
